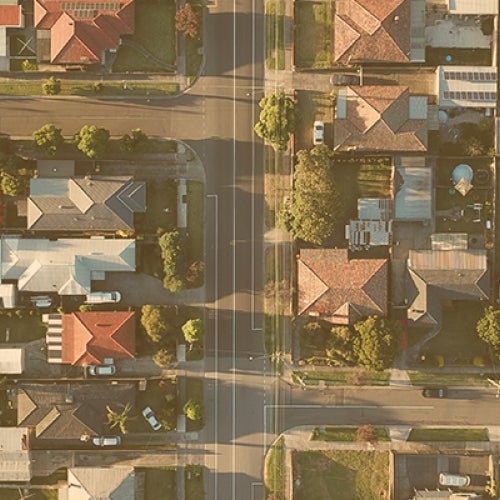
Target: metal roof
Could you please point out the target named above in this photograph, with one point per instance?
(11, 360)
(413, 193)
(15, 462)
(473, 7)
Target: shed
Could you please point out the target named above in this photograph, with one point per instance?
(412, 190)
(15, 462)
(12, 360)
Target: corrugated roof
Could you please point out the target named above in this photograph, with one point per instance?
(449, 241)
(413, 193)
(15, 464)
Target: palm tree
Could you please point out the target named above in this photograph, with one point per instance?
(119, 419)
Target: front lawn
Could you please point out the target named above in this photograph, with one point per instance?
(313, 34)
(450, 379)
(340, 475)
(159, 479)
(161, 396)
(457, 435)
(155, 32)
(457, 340)
(196, 221)
(348, 434)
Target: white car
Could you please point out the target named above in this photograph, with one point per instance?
(458, 480)
(319, 133)
(150, 417)
(107, 441)
(41, 301)
(97, 370)
(103, 298)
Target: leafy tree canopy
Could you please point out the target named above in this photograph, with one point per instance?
(155, 322)
(193, 409)
(52, 86)
(48, 138)
(193, 330)
(488, 328)
(277, 120)
(187, 21)
(92, 140)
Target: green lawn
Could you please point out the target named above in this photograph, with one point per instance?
(458, 341)
(161, 202)
(313, 34)
(155, 31)
(274, 469)
(161, 396)
(345, 434)
(21, 330)
(85, 88)
(159, 479)
(275, 34)
(341, 475)
(449, 379)
(338, 377)
(193, 477)
(196, 221)
(194, 390)
(448, 435)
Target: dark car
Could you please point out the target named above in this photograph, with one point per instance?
(435, 392)
(341, 79)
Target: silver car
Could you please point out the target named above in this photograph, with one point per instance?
(150, 417)
(107, 441)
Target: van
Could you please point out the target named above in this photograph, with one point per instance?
(103, 298)
(458, 480)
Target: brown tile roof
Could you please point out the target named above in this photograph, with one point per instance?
(377, 119)
(77, 38)
(89, 337)
(341, 290)
(372, 30)
(10, 16)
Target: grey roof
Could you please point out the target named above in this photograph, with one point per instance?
(66, 411)
(15, 462)
(66, 266)
(103, 483)
(83, 204)
(438, 275)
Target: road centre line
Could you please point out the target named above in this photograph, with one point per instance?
(216, 339)
(351, 407)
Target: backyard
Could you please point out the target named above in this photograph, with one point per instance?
(155, 32)
(313, 34)
(457, 342)
(467, 56)
(340, 475)
(158, 479)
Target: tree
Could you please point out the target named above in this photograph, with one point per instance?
(277, 120)
(28, 65)
(376, 344)
(172, 245)
(92, 140)
(163, 357)
(366, 434)
(193, 409)
(52, 86)
(339, 346)
(194, 331)
(155, 323)
(10, 184)
(48, 138)
(187, 21)
(488, 328)
(315, 203)
(119, 419)
(137, 140)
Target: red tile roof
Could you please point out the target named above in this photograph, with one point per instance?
(89, 337)
(11, 16)
(378, 118)
(340, 290)
(372, 30)
(79, 36)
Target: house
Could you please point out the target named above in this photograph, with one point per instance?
(15, 463)
(69, 412)
(89, 338)
(380, 118)
(466, 86)
(84, 204)
(339, 290)
(12, 360)
(64, 266)
(81, 32)
(11, 16)
(105, 483)
(391, 31)
(438, 275)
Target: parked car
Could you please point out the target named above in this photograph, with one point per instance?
(342, 79)
(319, 132)
(97, 370)
(41, 301)
(458, 480)
(150, 417)
(103, 297)
(435, 392)
(107, 441)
